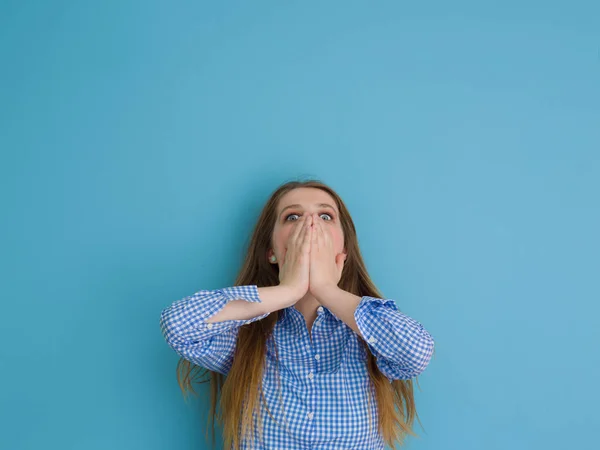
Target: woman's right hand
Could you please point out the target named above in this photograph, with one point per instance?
(293, 273)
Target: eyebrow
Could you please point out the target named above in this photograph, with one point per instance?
(295, 205)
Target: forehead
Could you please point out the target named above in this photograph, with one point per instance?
(306, 196)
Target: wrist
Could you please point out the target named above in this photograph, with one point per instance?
(288, 294)
(324, 293)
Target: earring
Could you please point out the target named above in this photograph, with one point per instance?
(273, 258)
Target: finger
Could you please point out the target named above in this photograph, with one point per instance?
(303, 232)
(297, 229)
(315, 236)
(321, 232)
(316, 240)
(326, 234)
(307, 235)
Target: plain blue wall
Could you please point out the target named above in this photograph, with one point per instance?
(140, 140)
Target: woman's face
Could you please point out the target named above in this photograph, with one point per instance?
(299, 202)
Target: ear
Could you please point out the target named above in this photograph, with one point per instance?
(340, 259)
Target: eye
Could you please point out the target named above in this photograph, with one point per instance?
(330, 217)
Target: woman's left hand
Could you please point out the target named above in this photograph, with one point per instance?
(325, 265)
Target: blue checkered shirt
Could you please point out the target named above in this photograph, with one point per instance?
(318, 390)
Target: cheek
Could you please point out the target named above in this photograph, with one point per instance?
(338, 240)
(280, 239)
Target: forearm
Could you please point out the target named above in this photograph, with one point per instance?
(272, 299)
(342, 303)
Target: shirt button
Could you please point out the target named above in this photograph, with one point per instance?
(209, 326)
(320, 309)
(311, 375)
(317, 357)
(310, 415)
(372, 340)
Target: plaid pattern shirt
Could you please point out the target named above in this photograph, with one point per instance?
(317, 387)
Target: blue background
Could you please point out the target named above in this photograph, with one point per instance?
(139, 141)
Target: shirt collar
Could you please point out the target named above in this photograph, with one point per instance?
(291, 313)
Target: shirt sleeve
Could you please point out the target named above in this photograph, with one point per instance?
(210, 345)
(401, 345)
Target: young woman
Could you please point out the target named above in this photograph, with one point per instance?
(303, 349)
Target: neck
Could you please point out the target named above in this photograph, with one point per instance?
(307, 305)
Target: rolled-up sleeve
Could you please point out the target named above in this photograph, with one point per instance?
(401, 345)
(210, 345)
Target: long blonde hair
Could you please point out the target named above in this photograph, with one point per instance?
(395, 399)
